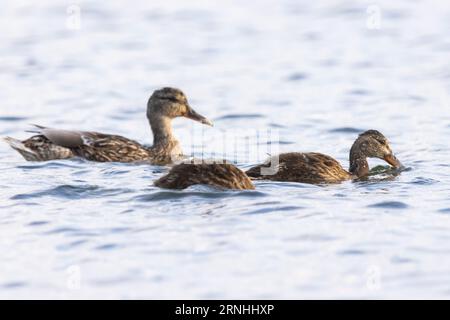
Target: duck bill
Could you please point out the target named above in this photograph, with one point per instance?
(193, 115)
(393, 161)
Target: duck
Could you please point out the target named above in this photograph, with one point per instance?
(163, 106)
(318, 168)
(219, 175)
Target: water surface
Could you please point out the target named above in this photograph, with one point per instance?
(314, 71)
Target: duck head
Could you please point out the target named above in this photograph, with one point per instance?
(370, 144)
(170, 103)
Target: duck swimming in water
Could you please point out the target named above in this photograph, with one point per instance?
(317, 168)
(220, 175)
(163, 106)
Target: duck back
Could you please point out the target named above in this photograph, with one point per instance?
(224, 175)
(311, 167)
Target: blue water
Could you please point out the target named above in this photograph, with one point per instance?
(319, 72)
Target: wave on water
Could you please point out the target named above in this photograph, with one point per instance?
(389, 205)
(207, 193)
(71, 192)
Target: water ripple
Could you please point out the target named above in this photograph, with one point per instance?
(14, 285)
(353, 252)
(108, 246)
(171, 195)
(297, 76)
(71, 192)
(52, 165)
(274, 210)
(71, 245)
(38, 223)
(389, 205)
(424, 181)
(359, 92)
(346, 130)
(12, 118)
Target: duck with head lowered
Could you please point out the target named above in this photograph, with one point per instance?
(164, 105)
(219, 175)
(317, 168)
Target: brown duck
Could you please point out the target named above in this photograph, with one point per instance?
(220, 175)
(316, 168)
(163, 106)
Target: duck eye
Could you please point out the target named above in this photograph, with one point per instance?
(172, 99)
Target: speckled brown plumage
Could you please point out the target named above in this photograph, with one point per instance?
(303, 167)
(39, 148)
(111, 148)
(163, 106)
(226, 176)
(316, 168)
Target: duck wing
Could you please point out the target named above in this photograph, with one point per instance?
(67, 138)
(95, 146)
(308, 167)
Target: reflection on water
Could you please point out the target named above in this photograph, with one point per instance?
(318, 72)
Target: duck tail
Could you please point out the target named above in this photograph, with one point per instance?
(18, 145)
(37, 128)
